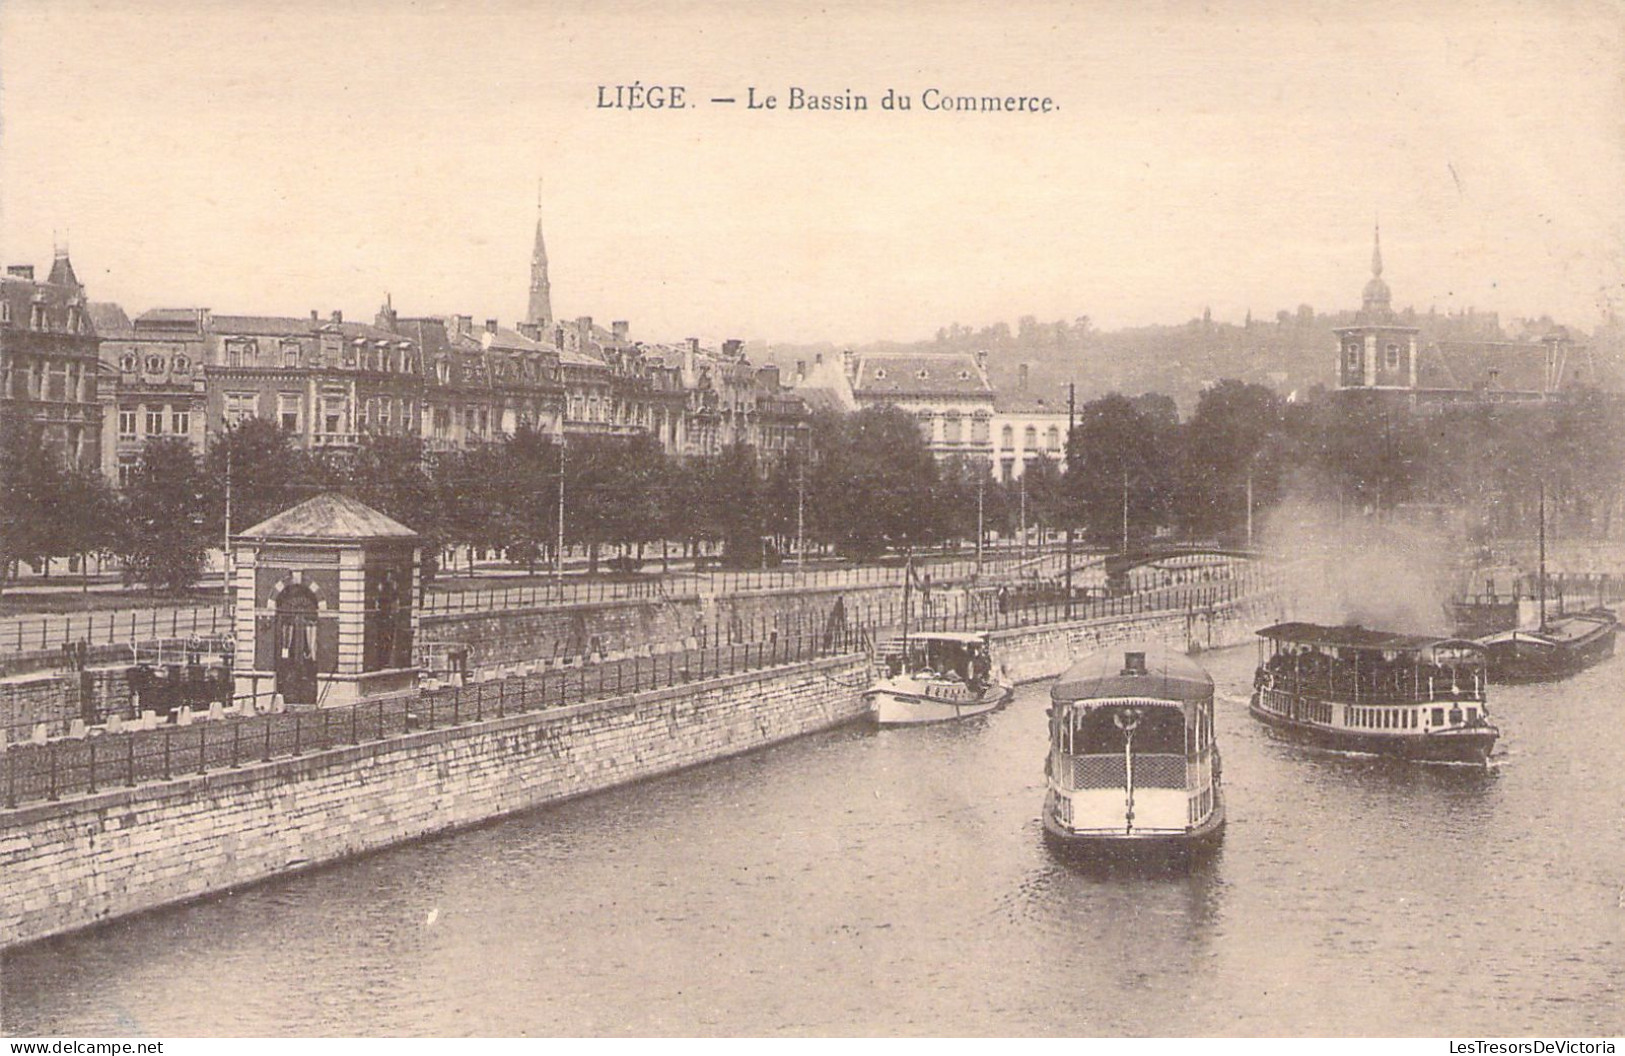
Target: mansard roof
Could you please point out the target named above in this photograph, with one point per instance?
(1507, 366)
(108, 318)
(881, 374)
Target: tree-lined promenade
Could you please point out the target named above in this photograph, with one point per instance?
(859, 486)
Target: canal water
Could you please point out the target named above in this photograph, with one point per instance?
(895, 882)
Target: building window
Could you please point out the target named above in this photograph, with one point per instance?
(5, 312)
(950, 427)
(335, 411)
(1393, 357)
(290, 353)
(385, 409)
(1029, 437)
(180, 422)
(442, 421)
(1007, 437)
(287, 411)
(981, 429)
(155, 421)
(126, 424)
(1354, 357)
(239, 407)
(1052, 439)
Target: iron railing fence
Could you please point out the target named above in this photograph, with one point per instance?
(31, 772)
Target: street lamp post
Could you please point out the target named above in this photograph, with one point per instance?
(801, 504)
(558, 549)
(980, 478)
(1071, 519)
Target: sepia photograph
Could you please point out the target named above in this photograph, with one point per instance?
(557, 519)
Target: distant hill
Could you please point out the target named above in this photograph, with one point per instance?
(1293, 352)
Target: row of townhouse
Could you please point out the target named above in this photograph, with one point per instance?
(444, 379)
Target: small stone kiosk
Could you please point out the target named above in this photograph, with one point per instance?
(325, 612)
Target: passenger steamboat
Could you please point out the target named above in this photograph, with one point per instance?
(1133, 769)
(1357, 690)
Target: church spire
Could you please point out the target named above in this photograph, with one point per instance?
(1376, 304)
(540, 311)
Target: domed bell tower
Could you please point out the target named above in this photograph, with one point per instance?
(1378, 352)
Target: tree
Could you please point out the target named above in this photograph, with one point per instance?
(268, 474)
(31, 481)
(872, 487)
(1235, 436)
(1118, 459)
(163, 539)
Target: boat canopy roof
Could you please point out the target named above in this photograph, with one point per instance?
(1142, 669)
(1352, 635)
(958, 637)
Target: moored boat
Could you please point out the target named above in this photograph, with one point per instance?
(1133, 768)
(1558, 648)
(934, 677)
(1357, 690)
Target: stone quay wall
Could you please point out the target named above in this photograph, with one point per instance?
(92, 858)
(1033, 653)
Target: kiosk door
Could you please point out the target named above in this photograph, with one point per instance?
(296, 645)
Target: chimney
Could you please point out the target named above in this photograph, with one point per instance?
(338, 316)
(801, 370)
(981, 360)
(1021, 383)
(693, 346)
(315, 316)
(584, 324)
(733, 348)
(818, 358)
(558, 338)
(849, 363)
(490, 326)
(769, 376)
(465, 324)
(530, 330)
(21, 271)
(621, 329)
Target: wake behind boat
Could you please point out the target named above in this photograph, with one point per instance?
(1133, 769)
(936, 676)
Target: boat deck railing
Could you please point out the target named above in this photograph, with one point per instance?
(1346, 690)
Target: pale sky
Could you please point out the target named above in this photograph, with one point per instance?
(274, 158)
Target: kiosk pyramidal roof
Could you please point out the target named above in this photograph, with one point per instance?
(332, 516)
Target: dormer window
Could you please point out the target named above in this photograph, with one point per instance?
(922, 374)
(964, 375)
(181, 364)
(880, 373)
(155, 364)
(129, 362)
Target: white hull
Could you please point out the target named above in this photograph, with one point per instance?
(911, 703)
